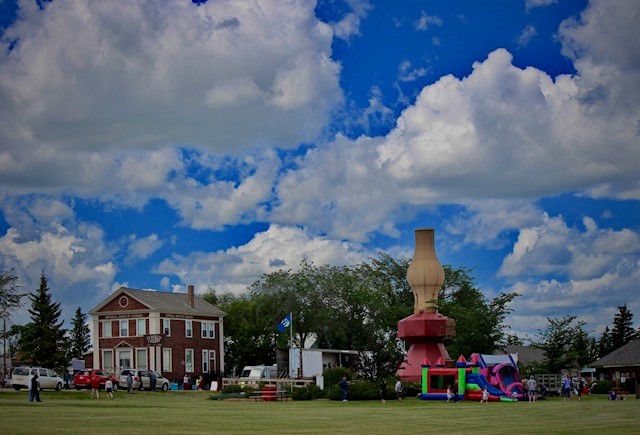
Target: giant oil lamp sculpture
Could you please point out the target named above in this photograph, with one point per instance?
(425, 329)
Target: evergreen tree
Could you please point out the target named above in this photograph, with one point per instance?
(43, 341)
(79, 342)
(622, 332)
(604, 344)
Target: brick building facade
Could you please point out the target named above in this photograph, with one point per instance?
(172, 333)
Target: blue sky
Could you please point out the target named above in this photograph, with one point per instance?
(161, 144)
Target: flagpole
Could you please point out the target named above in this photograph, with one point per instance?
(290, 346)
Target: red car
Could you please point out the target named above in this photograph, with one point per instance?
(83, 379)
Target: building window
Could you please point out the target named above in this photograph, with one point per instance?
(166, 360)
(142, 327)
(188, 360)
(166, 327)
(106, 328)
(124, 328)
(124, 359)
(141, 359)
(208, 360)
(188, 328)
(107, 360)
(207, 330)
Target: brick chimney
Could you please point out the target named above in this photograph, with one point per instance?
(191, 296)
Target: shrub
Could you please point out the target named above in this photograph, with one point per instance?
(229, 389)
(333, 376)
(358, 390)
(602, 387)
(409, 389)
(310, 392)
(237, 388)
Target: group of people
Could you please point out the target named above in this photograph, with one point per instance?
(568, 387)
(188, 383)
(453, 394)
(95, 387)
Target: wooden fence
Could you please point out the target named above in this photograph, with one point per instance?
(279, 383)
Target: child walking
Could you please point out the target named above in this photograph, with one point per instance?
(108, 386)
(485, 395)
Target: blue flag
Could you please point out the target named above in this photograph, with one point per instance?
(286, 322)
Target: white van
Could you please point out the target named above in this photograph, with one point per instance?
(48, 378)
(257, 373)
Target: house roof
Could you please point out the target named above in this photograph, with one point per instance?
(625, 356)
(177, 303)
(526, 354)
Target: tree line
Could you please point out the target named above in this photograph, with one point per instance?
(353, 307)
(358, 308)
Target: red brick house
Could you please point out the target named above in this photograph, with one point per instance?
(172, 333)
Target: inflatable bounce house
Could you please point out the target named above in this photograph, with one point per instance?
(497, 373)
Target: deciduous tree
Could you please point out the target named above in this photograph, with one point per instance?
(562, 342)
(480, 326)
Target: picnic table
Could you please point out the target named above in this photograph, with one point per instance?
(270, 396)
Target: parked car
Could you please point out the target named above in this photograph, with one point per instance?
(83, 379)
(48, 378)
(142, 379)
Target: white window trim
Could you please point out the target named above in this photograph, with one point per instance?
(104, 367)
(106, 329)
(146, 356)
(188, 330)
(186, 367)
(125, 329)
(168, 322)
(212, 365)
(141, 331)
(167, 365)
(208, 329)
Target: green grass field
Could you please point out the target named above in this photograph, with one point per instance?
(192, 413)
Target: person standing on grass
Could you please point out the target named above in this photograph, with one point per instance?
(152, 380)
(566, 388)
(580, 388)
(532, 386)
(108, 386)
(449, 393)
(398, 389)
(383, 391)
(185, 382)
(343, 385)
(95, 387)
(130, 383)
(33, 383)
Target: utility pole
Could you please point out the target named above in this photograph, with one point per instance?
(4, 349)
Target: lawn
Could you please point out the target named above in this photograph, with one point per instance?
(192, 413)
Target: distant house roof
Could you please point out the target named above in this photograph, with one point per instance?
(177, 303)
(526, 354)
(625, 356)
